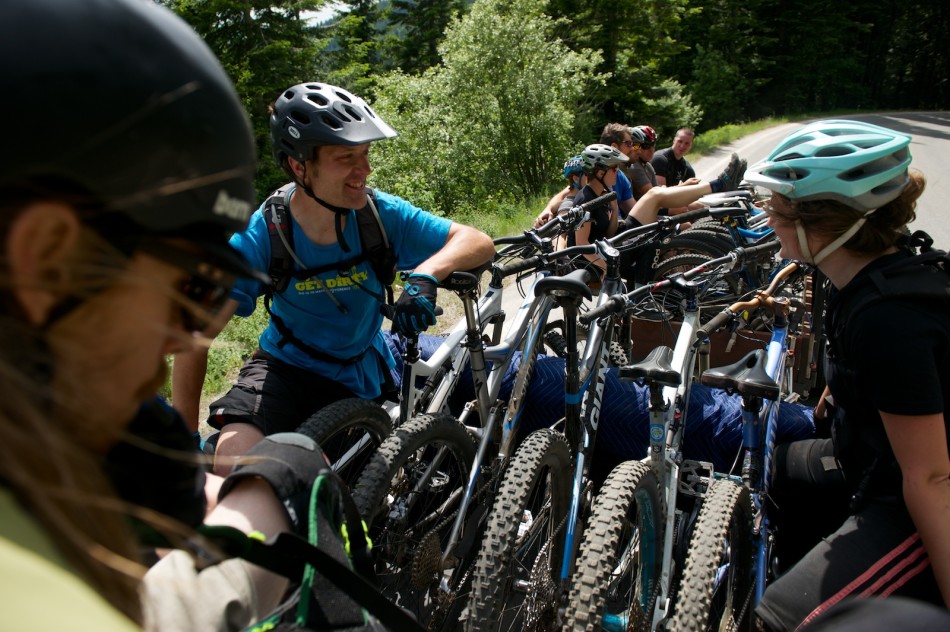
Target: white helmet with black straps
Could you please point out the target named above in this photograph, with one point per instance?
(600, 156)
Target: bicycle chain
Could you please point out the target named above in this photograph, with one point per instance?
(427, 558)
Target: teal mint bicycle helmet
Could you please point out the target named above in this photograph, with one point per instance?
(858, 164)
(600, 156)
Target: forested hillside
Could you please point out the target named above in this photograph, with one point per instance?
(490, 96)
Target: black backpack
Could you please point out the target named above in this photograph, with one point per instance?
(376, 249)
(922, 277)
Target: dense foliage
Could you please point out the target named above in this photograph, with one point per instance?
(490, 96)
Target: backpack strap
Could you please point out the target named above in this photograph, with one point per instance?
(280, 227)
(376, 249)
(922, 277)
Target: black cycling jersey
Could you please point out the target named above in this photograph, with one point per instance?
(894, 357)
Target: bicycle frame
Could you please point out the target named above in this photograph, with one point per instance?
(760, 420)
(668, 409)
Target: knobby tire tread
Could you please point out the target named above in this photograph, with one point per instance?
(542, 452)
(340, 425)
(726, 512)
(387, 481)
(630, 493)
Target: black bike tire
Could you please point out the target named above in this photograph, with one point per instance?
(630, 496)
(418, 438)
(542, 452)
(725, 517)
(681, 263)
(340, 425)
(699, 242)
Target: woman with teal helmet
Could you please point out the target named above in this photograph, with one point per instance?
(864, 511)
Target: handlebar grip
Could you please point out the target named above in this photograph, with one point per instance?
(513, 239)
(754, 251)
(389, 311)
(716, 323)
(552, 227)
(614, 304)
(597, 202)
(520, 266)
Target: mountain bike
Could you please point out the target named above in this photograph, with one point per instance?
(729, 559)
(421, 492)
(627, 559)
(528, 552)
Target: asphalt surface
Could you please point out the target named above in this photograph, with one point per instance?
(930, 149)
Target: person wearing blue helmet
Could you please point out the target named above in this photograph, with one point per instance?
(863, 512)
(564, 200)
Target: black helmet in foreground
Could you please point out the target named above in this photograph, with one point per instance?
(310, 115)
(122, 101)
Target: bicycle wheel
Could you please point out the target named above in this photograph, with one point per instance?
(695, 242)
(517, 571)
(716, 586)
(408, 495)
(621, 555)
(349, 431)
(719, 293)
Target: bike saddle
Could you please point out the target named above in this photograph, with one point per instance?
(655, 368)
(746, 377)
(460, 282)
(573, 284)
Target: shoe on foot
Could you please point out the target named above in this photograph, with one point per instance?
(732, 175)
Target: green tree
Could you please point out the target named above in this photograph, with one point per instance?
(417, 28)
(493, 122)
(635, 38)
(265, 47)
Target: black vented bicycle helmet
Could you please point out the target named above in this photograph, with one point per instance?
(310, 115)
(122, 100)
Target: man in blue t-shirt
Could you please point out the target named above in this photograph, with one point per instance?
(324, 340)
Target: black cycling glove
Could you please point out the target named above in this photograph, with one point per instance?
(415, 309)
(290, 463)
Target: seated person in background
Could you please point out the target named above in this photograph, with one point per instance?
(641, 173)
(670, 164)
(564, 200)
(601, 164)
(614, 135)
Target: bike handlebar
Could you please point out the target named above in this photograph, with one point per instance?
(762, 296)
(566, 220)
(619, 302)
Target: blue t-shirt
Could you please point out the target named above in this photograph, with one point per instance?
(306, 307)
(622, 187)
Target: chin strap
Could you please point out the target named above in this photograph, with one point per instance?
(338, 211)
(830, 248)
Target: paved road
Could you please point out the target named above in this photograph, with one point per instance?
(930, 149)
